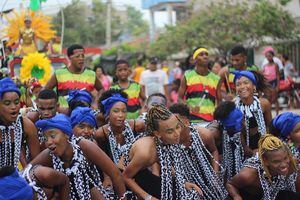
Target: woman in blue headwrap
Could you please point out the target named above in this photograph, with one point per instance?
(29, 186)
(15, 129)
(84, 125)
(286, 126)
(119, 132)
(73, 157)
(83, 98)
(232, 132)
(256, 110)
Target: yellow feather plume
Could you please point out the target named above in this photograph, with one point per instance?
(36, 65)
(41, 25)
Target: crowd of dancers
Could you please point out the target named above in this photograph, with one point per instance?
(129, 142)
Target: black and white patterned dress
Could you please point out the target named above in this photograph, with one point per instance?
(12, 139)
(198, 170)
(115, 148)
(82, 175)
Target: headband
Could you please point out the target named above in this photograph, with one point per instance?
(198, 51)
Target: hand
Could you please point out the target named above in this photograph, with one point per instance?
(190, 186)
(107, 183)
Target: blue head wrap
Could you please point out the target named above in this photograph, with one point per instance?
(8, 85)
(83, 114)
(80, 95)
(233, 121)
(59, 121)
(15, 187)
(110, 102)
(247, 74)
(285, 123)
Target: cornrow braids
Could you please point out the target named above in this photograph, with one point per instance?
(156, 114)
(270, 143)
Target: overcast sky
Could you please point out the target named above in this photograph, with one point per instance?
(52, 6)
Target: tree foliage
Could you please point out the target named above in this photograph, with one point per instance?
(86, 24)
(226, 24)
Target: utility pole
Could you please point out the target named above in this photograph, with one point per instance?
(108, 23)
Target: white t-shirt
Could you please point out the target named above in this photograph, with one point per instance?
(276, 60)
(154, 81)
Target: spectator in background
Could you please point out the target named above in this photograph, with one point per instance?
(174, 91)
(271, 73)
(154, 80)
(289, 69)
(76, 76)
(189, 63)
(276, 59)
(105, 79)
(8, 57)
(217, 67)
(137, 71)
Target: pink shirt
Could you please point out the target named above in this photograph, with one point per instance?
(270, 71)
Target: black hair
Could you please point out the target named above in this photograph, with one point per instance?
(157, 95)
(271, 52)
(108, 94)
(47, 94)
(285, 56)
(273, 130)
(223, 110)
(121, 61)
(100, 67)
(181, 109)
(70, 50)
(262, 83)
(239, 49)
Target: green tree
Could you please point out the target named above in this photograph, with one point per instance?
(226, 24)
(86, 25)
(134, 24)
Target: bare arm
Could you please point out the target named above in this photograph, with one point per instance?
(210, 144)
(277, 77)
(43, 159)
(100, 159)
(30, 132)
(182, 90)
(52, 82)
(98, 85)
(137, 125)
(167, 93)
(243, 179)
(266, 107)
(33, 116)
(52, 178)
(222, 73)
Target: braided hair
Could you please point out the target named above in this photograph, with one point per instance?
(271, 143)
(156, 114)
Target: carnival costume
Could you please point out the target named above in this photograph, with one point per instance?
(253, 113)
(277, 184)
(40, 28)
